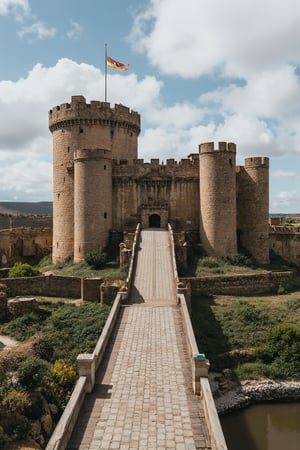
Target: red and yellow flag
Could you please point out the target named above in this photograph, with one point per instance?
(116, 64)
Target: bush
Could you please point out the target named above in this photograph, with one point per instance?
(96, 259)
(252, 371)
(210, 262)
(16, 401)
(238, 260)
(22, 428)
(3, 437)
(31, 373)
(23, 270)
(64, 374)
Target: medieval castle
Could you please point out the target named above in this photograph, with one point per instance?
(100, 185)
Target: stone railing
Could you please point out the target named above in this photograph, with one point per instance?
(199, 363)
(133, 257)
(88, 364)
(201, 386)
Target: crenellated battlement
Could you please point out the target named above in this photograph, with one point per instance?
(100, 184)
(209, 147)
(257, 161)
(96, 112)
(155, 162)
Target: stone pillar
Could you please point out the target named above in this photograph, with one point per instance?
(200, 369)
(86, 366)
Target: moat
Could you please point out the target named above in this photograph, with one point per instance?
(268, 426)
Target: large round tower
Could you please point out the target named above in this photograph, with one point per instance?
(92, 200)
(76, 126)
(253, 207)
(218, 198)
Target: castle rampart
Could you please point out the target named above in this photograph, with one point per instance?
(101, 185)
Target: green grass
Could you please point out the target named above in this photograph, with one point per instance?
(229, 328)
(111, 271)
(63, 329)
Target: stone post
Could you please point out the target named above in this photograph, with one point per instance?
(200, 369)
(186, 291)
(86, 365)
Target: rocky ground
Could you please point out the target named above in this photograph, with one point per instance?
(230, 396)
(6, 342)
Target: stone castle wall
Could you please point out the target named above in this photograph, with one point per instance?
(285, 243)
(25, 245)
(100, 185)
(170, 190)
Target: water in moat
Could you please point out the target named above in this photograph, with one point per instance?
(271, 426)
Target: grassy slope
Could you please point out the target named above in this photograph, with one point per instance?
(224, 324)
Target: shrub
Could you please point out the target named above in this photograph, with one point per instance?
(3, 437)
(252, 371)
(22, 428)
(96, 259)
(210, 262)
(23, 270)
(247, 313)
(37, 407)
(31, 373)
(16, 401)
(238, 260)
(64, 374)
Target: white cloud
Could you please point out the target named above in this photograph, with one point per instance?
(286, 202)
(235, 38)
(75, 30)
(25, 141)
(168, 131)
(37, 31)
(19, 8)
(284, 174)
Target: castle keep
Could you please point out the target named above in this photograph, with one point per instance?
(100, 185)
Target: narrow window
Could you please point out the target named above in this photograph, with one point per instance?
(105, 215)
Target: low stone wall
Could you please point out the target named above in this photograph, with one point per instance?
(90, 289)
(18, 306)
(50, 286)
(261, 283)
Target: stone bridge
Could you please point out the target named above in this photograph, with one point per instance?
(145, 386)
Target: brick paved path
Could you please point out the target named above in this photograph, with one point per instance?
(143, 397)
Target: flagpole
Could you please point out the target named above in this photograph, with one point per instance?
(105, 75)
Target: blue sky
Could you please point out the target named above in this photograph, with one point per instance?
(199, 71)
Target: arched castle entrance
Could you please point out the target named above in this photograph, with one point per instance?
(154, 217)
(154, 221)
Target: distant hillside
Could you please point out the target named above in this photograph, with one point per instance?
(26, 208)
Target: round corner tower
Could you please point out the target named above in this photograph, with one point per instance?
(253, 207)
(89, 134)
(217, 179)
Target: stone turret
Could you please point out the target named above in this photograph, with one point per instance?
(92, 200)
(217, 177)
(75, 127)
(253, 207)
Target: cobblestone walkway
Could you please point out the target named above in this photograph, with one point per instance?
(143, 397)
